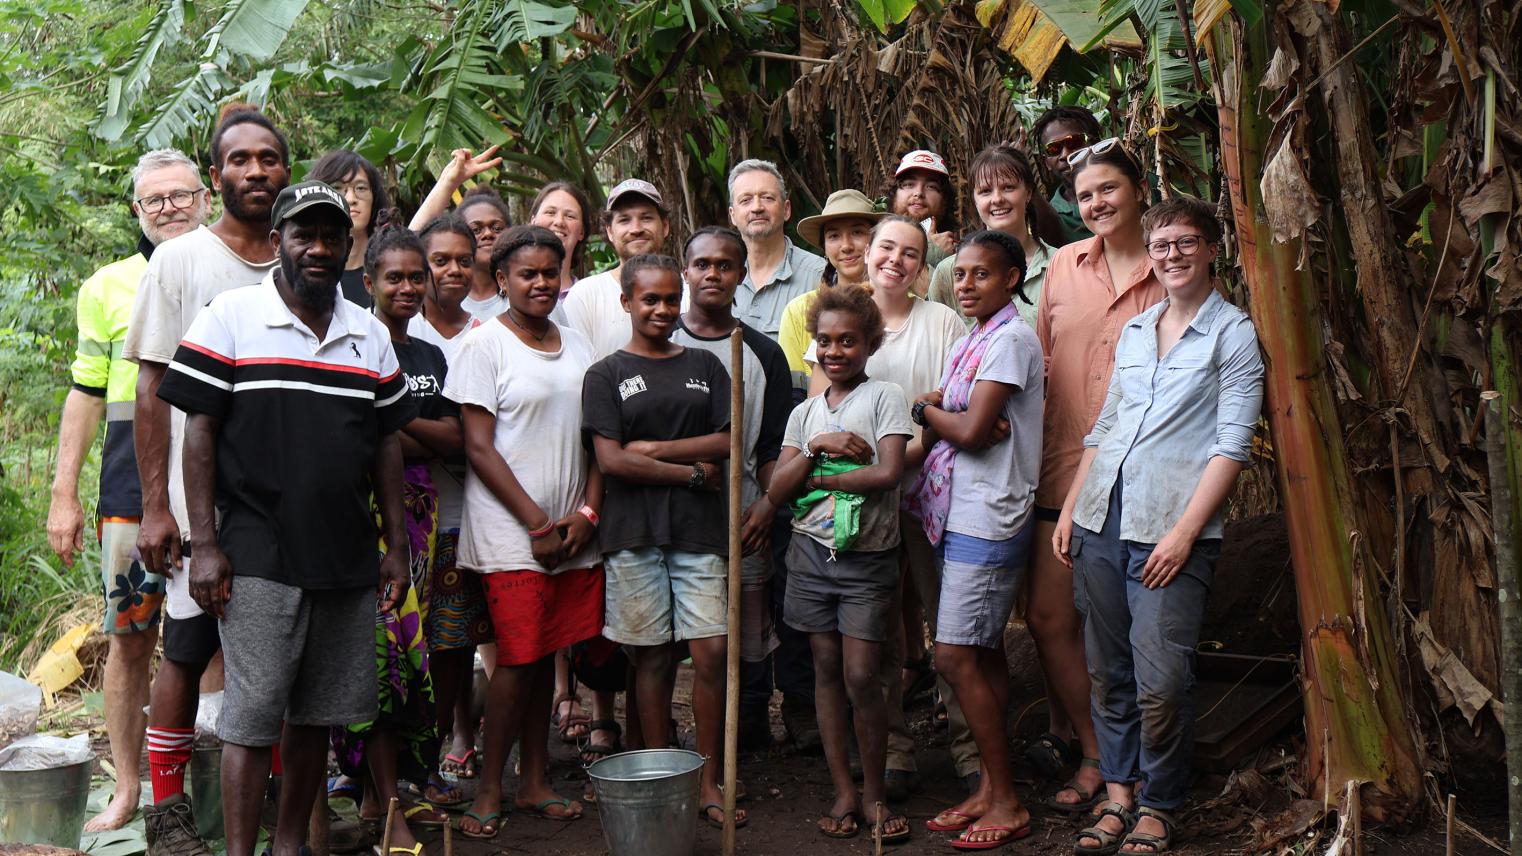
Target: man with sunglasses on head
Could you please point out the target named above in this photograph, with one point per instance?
(1060, 132)
(168, 200)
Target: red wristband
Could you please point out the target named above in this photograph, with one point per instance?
(587, 512)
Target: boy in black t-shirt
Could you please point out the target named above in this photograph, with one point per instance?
(658, 416)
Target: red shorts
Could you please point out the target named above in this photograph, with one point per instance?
(536, 614)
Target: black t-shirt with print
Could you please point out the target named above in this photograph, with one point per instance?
(626, 398)
(424, 367)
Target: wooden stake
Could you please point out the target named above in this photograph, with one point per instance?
(448, 839)
(386, 833)
(1451, 805)
(1508, 597)
(732, 670)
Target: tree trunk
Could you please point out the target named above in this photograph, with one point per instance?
(1356, 723)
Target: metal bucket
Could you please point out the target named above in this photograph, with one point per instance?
(44, 806)
(648, 801)
(206, 791)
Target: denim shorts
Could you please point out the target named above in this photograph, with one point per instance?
(979, 581)
(657, 595)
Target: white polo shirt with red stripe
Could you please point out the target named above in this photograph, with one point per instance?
(301, 419)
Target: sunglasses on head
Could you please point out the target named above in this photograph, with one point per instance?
(1062, 144)
(1098, 148)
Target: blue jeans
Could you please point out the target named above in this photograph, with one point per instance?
(1140, 644)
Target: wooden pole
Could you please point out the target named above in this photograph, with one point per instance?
(732, 670)
(1451, 801)
(1507, 593)
(386, 833)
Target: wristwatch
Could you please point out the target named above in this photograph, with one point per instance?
(699, 475)
(917, 413)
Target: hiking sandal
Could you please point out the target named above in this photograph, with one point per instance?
(1109, 842)
(1158, 843)
(1086, 798)
(598, 750)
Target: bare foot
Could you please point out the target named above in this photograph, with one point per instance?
(542, 800)
(1001, 823)
(119, 812)
(401, 836)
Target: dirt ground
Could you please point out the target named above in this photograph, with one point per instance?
(1252, 612)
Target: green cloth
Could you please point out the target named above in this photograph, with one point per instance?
(847, 505)
(1072, 221)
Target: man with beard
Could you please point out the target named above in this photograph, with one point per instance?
(168, 199)
(1060, 132)
(636, 222)
(776, 270)
(294, 398)
(249, 166)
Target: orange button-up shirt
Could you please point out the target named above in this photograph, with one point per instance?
(1079, 321)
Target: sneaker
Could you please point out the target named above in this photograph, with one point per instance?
(171, 828)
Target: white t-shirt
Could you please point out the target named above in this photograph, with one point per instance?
(595, 309)
(183, 276)
(913, 356)
(536, 397)
(485, 310)
(448, 476)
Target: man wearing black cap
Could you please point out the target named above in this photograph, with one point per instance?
(294, 398)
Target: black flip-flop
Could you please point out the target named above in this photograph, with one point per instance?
(719, 824)
(853, 815)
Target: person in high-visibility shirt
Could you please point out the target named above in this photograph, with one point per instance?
(168, 199)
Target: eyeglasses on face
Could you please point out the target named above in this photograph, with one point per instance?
(178, 200)
(1062, 145)
(1187, 245)
(360, 189)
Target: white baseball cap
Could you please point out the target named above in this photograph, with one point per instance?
(636, 186)
(922, 159)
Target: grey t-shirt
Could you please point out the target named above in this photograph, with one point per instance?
(799, 272)
(871, 411)
(993, 491)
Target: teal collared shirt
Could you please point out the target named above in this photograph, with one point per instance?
(761, 307)
(1165, 418)
(1072, 221)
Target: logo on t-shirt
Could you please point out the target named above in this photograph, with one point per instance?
(631, 387)
(698, 384)
(425, 384)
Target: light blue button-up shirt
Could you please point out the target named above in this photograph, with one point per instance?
(800, 271)
(1164, 419)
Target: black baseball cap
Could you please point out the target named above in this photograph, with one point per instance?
(297, 198)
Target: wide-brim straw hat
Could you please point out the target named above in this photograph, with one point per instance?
(842, 205)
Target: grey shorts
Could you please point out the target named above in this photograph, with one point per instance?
(295, 656)
(979, 581)
(849, 592)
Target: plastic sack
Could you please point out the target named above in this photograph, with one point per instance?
(45, 752)
(208, 711)
(19, 703)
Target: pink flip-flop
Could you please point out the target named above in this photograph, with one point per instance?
(966, 821)
(961, 843)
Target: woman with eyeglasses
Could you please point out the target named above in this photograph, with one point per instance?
(1092, 289)
(1141, 525)
(360, 183)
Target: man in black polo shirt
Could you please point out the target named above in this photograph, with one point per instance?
(293, 400)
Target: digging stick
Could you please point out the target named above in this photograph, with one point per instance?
(1507, 593)
(732, 667)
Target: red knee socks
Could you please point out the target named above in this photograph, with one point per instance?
(168, 753)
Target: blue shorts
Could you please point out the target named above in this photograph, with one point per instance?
(658, 595)
(979, 581)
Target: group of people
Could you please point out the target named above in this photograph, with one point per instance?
(343, 455)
